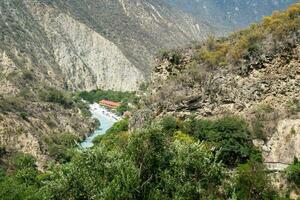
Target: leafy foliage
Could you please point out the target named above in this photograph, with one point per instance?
(2, 151)
(158, 161)
(229, 134)
(97, 95)
(56, 96)
(249, 41)
(60, 146)
(293, 173)
(252, 182)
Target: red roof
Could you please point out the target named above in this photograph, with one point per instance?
(110, 103)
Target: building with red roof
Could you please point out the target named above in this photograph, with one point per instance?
(110, 104)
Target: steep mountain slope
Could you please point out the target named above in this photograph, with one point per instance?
(254, 74)
(231, 14)
(50, 46)
(141, 26)
(103, 41)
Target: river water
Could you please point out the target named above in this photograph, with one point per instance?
(106, 119)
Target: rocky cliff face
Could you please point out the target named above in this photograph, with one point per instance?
(86, 58)
(27, 134)
(90, 44)
(263, 88)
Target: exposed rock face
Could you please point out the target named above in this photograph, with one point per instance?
(28, 135)
(86, 58)
(284, 143)
(264, 88)
(80, 45)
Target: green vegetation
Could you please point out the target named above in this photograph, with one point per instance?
(56, 96)
(258, 129)
(252, 182)
(11, 104)
(119, 127)
(24, 115)
(293, 173)
(83, 106)
(172, 56)
(60, 146)
(126, 98)
(167, 159)
(23, 182)
(116, 136)
(230, 134)
(248, 42)
(2, 151)
(293, 106)
(97, 95)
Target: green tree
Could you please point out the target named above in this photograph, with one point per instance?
(229, 134)
(293, 173)
(252, 182)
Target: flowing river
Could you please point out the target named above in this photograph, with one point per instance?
(106, 119)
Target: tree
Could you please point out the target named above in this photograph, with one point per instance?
(293, 173)
(252, 182)
(229, 134)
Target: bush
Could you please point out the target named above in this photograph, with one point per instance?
(258, 129)
(24, 161)
(84, 108)
(293, 173)
(119, 126)
(252, 183)
(169, 124)
(60, 146)
(249, 42)
(24, 115)
(28, 76)
(2, 151)
(97, 95)
(175, 58)
(229, 134)
(56, 96)
(123, 108)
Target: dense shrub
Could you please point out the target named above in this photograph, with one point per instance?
(24, 115)
(28, 76)
(123, 108)
(2, 151)
(194, 173)
(293, 173)
(229, 134)
(169, 124)
(56, 96)
(97, 174)
(84, 107)
(20, 182)
(11, 104)
(97, 95)
(252, 183)
(149, 163)
(119, 127)
(23, 161)
(247, 42)
(60, 146)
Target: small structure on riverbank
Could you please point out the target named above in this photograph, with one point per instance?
(110, 104)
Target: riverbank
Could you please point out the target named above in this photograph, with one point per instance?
(106, 119)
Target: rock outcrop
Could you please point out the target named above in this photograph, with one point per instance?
(264, 89)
